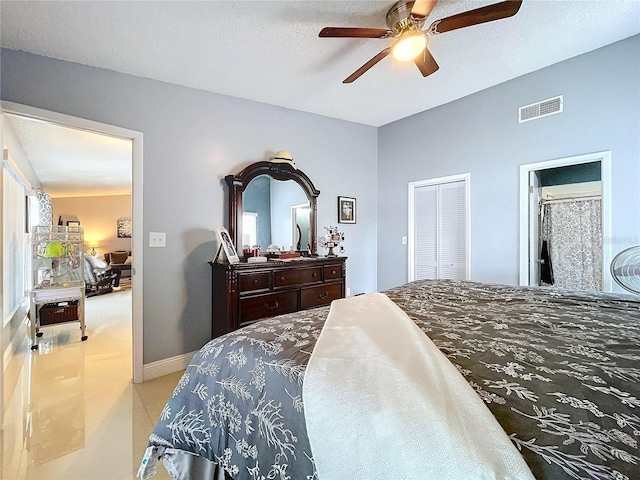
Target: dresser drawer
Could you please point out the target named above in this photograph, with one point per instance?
(264, 306)
(254, 281)
(243, 293)
(332, 272)
(321, 295)
(287, 278)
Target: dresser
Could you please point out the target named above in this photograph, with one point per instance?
(243, 293)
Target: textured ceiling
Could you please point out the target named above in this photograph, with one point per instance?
(75, 163)
(269, 51)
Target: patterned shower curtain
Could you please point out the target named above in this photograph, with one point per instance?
(573, 231)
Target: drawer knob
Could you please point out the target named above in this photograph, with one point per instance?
(271, 307)
(314, 274)
(322, 296)
(282, 279)
(333, 272)
(255, 281)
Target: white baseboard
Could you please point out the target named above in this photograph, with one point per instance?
(165, 367)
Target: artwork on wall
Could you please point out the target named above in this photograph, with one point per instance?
(346, 210)
(124, 227)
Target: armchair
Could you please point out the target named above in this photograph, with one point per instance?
(97, 279)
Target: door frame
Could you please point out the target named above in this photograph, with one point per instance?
(535, 226)
(526, 219)
(137, 237)
(466, 178)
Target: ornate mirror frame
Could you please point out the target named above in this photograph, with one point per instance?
(279, 171)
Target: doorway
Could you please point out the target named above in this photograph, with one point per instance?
(564, 221)
(40, 115)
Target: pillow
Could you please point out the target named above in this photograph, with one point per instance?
(96, 262)
(118, 257)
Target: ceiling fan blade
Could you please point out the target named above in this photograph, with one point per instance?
(426, 63)
(367, 66)
(354, 32)
(422, 8)
(489, 13)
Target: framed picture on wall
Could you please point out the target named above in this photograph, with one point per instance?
(123, 227)
(226, 245)
(346, 210)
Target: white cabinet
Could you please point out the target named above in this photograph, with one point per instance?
(57, 295)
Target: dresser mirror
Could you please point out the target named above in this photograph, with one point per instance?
(272, 203)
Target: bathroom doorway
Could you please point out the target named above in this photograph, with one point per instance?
(565, 221)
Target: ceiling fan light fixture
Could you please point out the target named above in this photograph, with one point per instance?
(409, 46)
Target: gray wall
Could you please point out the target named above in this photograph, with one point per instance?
(480, 134)
(192, 139)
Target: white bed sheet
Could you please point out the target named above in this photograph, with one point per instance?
(379, 396)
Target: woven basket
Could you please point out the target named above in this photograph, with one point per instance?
(51, 313)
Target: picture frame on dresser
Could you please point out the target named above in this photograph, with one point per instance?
(226, 246)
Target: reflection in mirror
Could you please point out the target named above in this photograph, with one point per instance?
(272, 192)
(274, 213)
(301, 217)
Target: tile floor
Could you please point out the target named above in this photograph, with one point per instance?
(75, 413)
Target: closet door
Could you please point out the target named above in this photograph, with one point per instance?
(452, 223)
(439, 243)
(426, 232)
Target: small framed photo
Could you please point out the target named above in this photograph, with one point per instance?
(346, 210)
(73, 223)
(226, 245)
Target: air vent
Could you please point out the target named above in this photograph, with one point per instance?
(544, 108)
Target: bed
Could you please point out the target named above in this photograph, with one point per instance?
(559, 370)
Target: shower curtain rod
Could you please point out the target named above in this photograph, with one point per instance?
(571, 199)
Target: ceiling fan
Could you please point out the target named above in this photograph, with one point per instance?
(405, 20)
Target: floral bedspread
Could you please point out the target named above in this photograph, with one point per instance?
(560, 371)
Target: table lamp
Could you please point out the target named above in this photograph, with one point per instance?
(93, 245)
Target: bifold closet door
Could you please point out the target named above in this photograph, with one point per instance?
(440, 231)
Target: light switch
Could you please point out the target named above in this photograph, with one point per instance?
(404, 240)
(157, 239)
